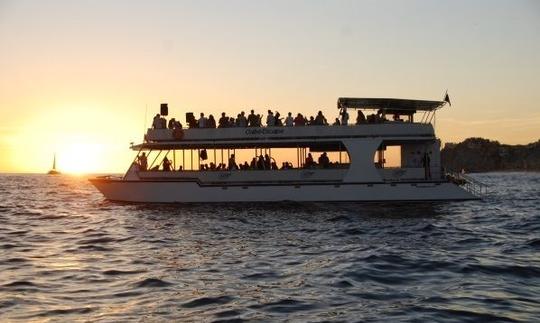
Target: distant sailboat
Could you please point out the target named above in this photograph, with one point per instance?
(53, 171)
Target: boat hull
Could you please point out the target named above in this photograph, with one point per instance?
(146, 191)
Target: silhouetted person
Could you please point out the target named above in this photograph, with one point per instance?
(360, 118)
(320, 120)
(143, 162)
(232, 163)
(223, 121)
(166, 164)
(241, 120)
(267, 161)
(260, 163)
(324, 161)
(211, 122)
(270, 121)
(172, 121)
(309, 161)
(277, 120)
(299, 120)
(202, 121)
(252, 119)
(344, 117)
(289, 120)
(156, 123)
(426, 162)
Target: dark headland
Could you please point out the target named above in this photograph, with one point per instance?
(484, 155)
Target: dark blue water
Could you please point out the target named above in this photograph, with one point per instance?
(67, 254)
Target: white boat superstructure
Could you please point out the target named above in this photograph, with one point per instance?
(349, 162)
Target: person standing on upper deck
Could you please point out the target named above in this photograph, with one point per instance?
(252, 119)
(270, 120)
(289, 121)
(277, 120)
(211, 122)
(156, 123)
(360, 118)
(202, 121)
(241, 120)
(344, 117)
(223, 121)
(320, 120)
(299, 120)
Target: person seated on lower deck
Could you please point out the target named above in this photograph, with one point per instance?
(232, 122)
(166, 164)
(260, 163)
(232, 163)
(396, 118)
(309, 161)
(253, 164)
(245, 166)
(267, 162)
(143, 162)
(360, 118)
(324, 161)
(212, 166)
(337, 122)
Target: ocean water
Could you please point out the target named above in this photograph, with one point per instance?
(66, 254)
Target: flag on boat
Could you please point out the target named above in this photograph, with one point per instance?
(447, 98)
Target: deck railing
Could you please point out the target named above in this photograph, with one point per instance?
(469, 183)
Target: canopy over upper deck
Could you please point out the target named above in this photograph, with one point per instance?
(385, 105)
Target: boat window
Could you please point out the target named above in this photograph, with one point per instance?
(320, 155)
(407, 160)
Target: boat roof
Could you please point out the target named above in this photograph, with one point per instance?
(388, 104)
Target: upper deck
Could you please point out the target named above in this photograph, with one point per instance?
(386, 122)
(276, 136)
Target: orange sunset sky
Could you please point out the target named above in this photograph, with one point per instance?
(76, 77)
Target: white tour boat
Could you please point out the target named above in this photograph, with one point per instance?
(353, 166)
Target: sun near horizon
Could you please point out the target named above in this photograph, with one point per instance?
(83, 80)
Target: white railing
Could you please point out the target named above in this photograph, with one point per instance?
(470, 184)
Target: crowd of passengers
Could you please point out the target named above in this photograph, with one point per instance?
(273, 119)
(257, 163)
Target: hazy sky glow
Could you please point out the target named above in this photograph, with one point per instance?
(77, 76)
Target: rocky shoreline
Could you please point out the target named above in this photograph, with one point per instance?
(484, 155)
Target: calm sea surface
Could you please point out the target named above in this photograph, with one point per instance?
(66, 254)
